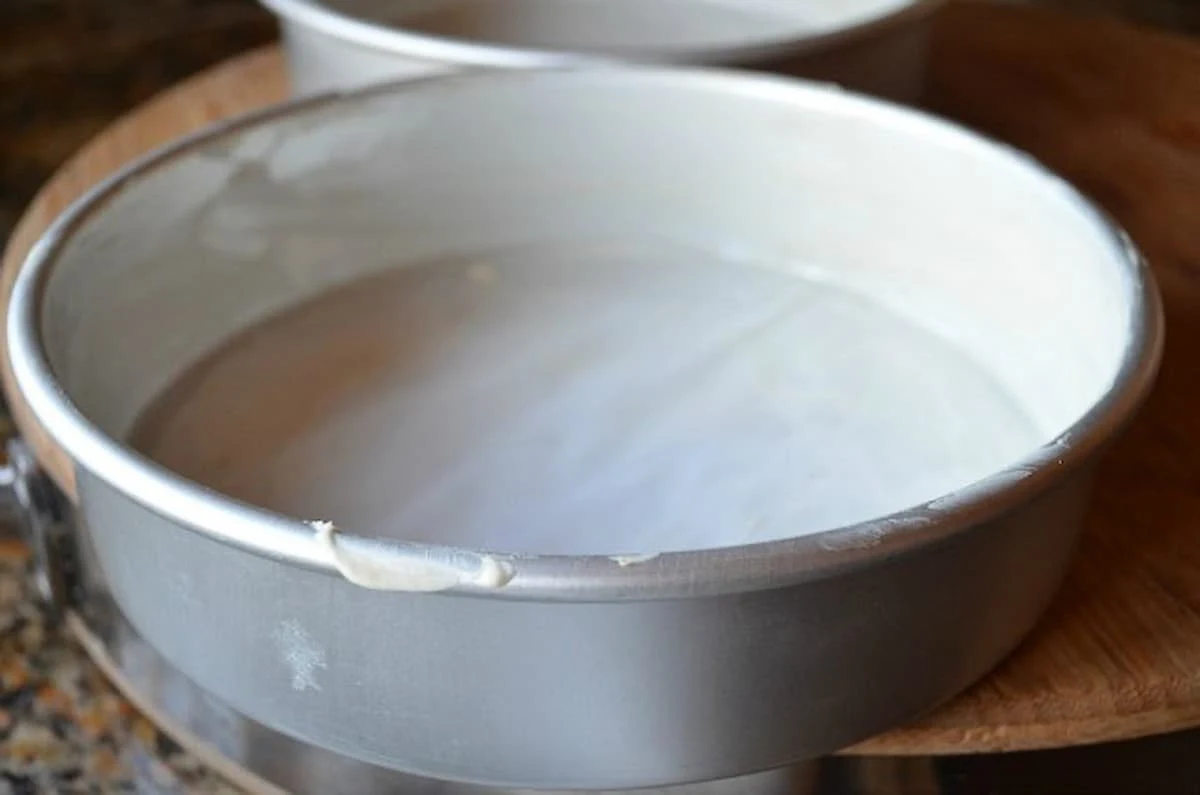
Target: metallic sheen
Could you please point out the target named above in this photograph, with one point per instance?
(579, 673)
(328, 48)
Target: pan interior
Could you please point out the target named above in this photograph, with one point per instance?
(592, 397)
(477, 312)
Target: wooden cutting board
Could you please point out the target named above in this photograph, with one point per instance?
(1115, 109)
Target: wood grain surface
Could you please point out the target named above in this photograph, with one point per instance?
(1116, 110)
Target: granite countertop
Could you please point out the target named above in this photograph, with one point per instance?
(63, 729)
(68, 68)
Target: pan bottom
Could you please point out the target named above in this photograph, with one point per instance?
(636, 397)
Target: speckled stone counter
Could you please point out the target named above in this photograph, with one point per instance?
(63, 729)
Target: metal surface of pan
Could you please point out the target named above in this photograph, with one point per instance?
(868, 45)
(584, 670)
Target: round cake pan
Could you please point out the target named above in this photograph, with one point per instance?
(876, 46)
(716, 420)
